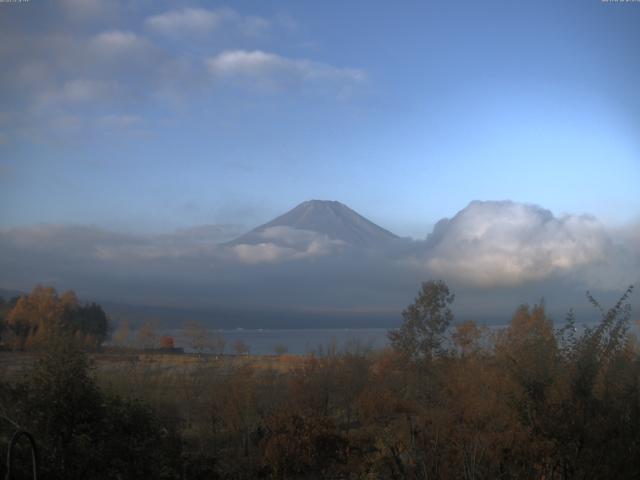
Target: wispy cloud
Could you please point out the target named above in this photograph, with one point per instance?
(99, 55)
(194, 22)
(187, 21)
(275, 71)
(113, 43)
(80, 90)
(83, 10)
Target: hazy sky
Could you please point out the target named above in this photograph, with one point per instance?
(135, 137)
(150, 116)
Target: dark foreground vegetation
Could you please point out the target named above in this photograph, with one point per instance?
(526, 402)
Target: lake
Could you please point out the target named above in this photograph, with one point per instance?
(303, 341)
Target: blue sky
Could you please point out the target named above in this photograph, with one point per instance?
(150, 116)
(137, 137)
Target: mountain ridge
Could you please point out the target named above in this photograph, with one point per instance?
(328, 217)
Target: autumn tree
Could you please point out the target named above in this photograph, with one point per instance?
(467, 337)
(529, 351)
(299, 447)
(425, 321)
(597, 424)
(146, 336)
(35, 316)
(122, 334)
(201, 339)
(166, 342)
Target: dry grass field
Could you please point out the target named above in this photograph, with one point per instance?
(15, 364)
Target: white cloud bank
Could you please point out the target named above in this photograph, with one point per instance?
(491, 244)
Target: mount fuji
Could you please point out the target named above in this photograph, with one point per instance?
(329, 218)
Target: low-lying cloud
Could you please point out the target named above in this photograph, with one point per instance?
(496, 250)
(284, 243)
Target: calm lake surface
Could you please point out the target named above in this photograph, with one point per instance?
(303, 341)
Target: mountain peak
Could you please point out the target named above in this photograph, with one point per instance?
(327, 217)
(326, 203)
(321, 204)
